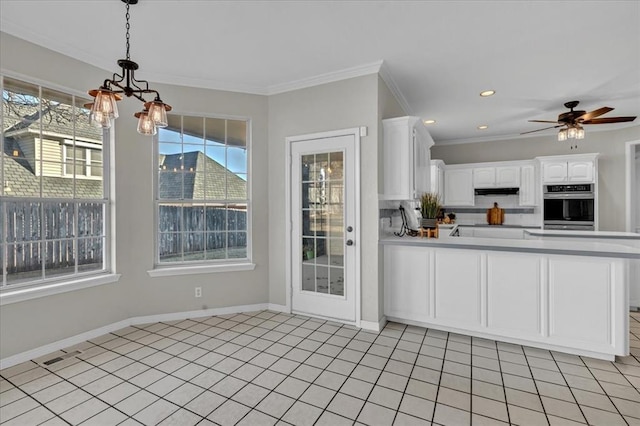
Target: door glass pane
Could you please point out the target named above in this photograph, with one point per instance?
(322, 210)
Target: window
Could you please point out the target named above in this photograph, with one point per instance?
(53, 216)
(202, 196)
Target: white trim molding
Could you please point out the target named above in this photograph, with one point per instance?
(374, 326)
(20, 295)
(200, 269)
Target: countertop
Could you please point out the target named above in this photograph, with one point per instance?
(541, 245)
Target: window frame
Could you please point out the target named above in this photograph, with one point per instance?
(44, 286)
(204, 265)
(88, 162)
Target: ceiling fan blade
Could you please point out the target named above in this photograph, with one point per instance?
(595, 113)
(608, 120)
(546, 128)
(542, 121)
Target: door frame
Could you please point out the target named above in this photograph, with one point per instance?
(631, 223)
(355, 132)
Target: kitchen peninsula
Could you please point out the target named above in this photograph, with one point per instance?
(553, 293)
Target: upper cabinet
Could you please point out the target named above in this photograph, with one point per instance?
(569, 168)
(406, 159)
(528, 185)
(496, 177)
(437, 178)
(458, 186)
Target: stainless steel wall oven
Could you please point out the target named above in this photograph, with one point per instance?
(569, 207)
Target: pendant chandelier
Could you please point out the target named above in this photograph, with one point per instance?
(104, 107)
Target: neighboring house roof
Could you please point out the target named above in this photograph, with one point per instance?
(55, 119)
(197, 184)
(20, 182)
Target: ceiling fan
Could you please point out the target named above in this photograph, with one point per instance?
(573, 121)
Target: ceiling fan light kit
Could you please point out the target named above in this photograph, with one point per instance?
(572, 122)
(104, 107)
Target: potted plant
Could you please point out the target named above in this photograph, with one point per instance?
(429, 208)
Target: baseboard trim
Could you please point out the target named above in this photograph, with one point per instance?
(19, 358)
(279, 308)
(374, 326)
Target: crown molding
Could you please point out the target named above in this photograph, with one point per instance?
(330, 77)
(515, 136)
(385, 74)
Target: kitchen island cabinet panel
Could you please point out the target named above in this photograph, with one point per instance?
(513, 299)
(562, 302)
(580, 301)
(403, 268)
(457, 289)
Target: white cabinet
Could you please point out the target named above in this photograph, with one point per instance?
(458, 187)
(528, 185)
(512, 297)
(406, 159)
(569, 168)
(496, 177)
(508, 177)
(437, 178)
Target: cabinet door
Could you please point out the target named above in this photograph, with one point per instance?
(406, 282)
(458, 187)
(580, 171)
(397, 160)
(528, 186)
(554, 172)
(421, 166)
(437, 181)
(484, 177)
(508, 177)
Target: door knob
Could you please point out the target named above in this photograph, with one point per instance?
(349, 242)
(349, 228)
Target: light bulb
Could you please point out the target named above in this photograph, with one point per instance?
(580, 133)
(562, 135)
(571, 133)
(158, 112)
(145, 124)
(105, 103)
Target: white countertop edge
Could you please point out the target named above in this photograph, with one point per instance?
(558, 247)
(614, 235)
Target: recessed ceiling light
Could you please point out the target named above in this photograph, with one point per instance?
(483, 127)
(486, 93)
(429, 121)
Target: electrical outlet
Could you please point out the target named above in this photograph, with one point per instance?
(198, 291)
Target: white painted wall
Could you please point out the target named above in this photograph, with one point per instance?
(637, 189)
(339, 105)
(34, 323)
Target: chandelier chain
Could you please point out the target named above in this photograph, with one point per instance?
(128, 27)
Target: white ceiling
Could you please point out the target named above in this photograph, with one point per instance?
(439, 54)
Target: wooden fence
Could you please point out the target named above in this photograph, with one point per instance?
(193, 229)
(47, 232)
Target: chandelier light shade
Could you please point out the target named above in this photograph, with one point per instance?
(104, 108)
(562, 135)
(146, 126)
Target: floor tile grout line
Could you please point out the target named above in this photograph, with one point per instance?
(504, 387)
(535, 383)
(28, 395)
(584, 416)
(404, 392)
(435, 405)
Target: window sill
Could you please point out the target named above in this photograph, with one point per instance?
(20, 295)
(200, 269)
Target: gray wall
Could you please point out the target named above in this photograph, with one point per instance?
(30, 324)
(334, 106)
(611, 163)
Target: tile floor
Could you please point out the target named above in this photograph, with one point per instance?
(266, 368)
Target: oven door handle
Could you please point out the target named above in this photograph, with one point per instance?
(569, 195)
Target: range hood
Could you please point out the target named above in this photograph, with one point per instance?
(497, 191)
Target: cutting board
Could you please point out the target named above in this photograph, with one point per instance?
(495, 215)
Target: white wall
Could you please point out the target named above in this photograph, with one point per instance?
(339, 105)
(637, 189)
(31, 324)
(611, 163)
